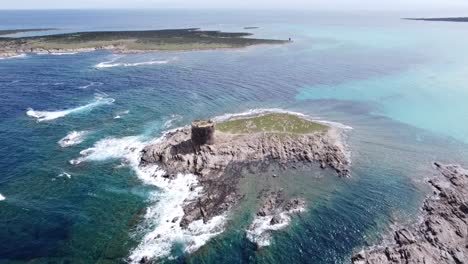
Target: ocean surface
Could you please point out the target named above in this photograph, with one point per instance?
(71, 127)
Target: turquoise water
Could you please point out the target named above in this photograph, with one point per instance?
(399, 84)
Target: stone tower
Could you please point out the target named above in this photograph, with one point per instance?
(203, 132)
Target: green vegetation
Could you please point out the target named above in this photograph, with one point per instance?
(274, 123)
(166, 40)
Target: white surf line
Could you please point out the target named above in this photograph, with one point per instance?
(51, 115)
(110, 64)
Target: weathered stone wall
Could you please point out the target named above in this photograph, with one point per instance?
(203, 132)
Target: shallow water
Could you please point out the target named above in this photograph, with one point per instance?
(399, 84)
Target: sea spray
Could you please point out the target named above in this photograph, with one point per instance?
(161, 225)
(73, 138)
(51, 115)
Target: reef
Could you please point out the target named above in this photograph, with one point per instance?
(441, 237)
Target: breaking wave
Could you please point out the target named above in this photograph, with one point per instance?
(2, 197)
(65, 174)
(170, 122)
(111, 64)
(73, 138)
(51, 115)
(161, 223)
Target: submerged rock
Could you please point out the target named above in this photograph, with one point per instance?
(275, 214)
(442, 237)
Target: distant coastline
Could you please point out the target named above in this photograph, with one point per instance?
(126, 41)
(26, 30)
(441, 19)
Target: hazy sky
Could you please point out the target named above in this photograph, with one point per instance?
(460, 5)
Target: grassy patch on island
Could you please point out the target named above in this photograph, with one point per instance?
(270, 123)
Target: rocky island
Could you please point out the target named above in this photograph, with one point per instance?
(212, 150)
(441, 237)
(127, 41)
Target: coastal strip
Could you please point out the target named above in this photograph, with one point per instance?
(26, 30)
(441, 19)
(129, 41)
(441, 237)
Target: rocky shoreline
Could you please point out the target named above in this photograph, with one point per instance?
(441, 237)
(177, 154)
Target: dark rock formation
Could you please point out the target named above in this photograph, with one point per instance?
(178, 153)
(442, 237)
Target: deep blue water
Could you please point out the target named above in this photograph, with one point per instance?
(400, 84)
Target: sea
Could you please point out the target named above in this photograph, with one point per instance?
(72, 126)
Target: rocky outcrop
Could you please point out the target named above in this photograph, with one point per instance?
(177, 153)
(275, 214)
(442, 237)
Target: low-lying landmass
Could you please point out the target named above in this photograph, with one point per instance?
(210, 149)
(128, 41)
(441, 237)
(26, 30)
(441, 19)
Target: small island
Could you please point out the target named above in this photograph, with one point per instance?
(212, 150)
(127, 41)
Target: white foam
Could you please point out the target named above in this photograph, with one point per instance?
(2, 197)
(263, 111)
(120, 114)
(62, 53)
(23, 55)
(170, 122)
(260, 230)
(51, 115)
(111, 64)
(167, 203)
(65, 174)
(73, 138)
(90, 85)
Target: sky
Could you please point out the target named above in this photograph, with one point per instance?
(383, 5)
